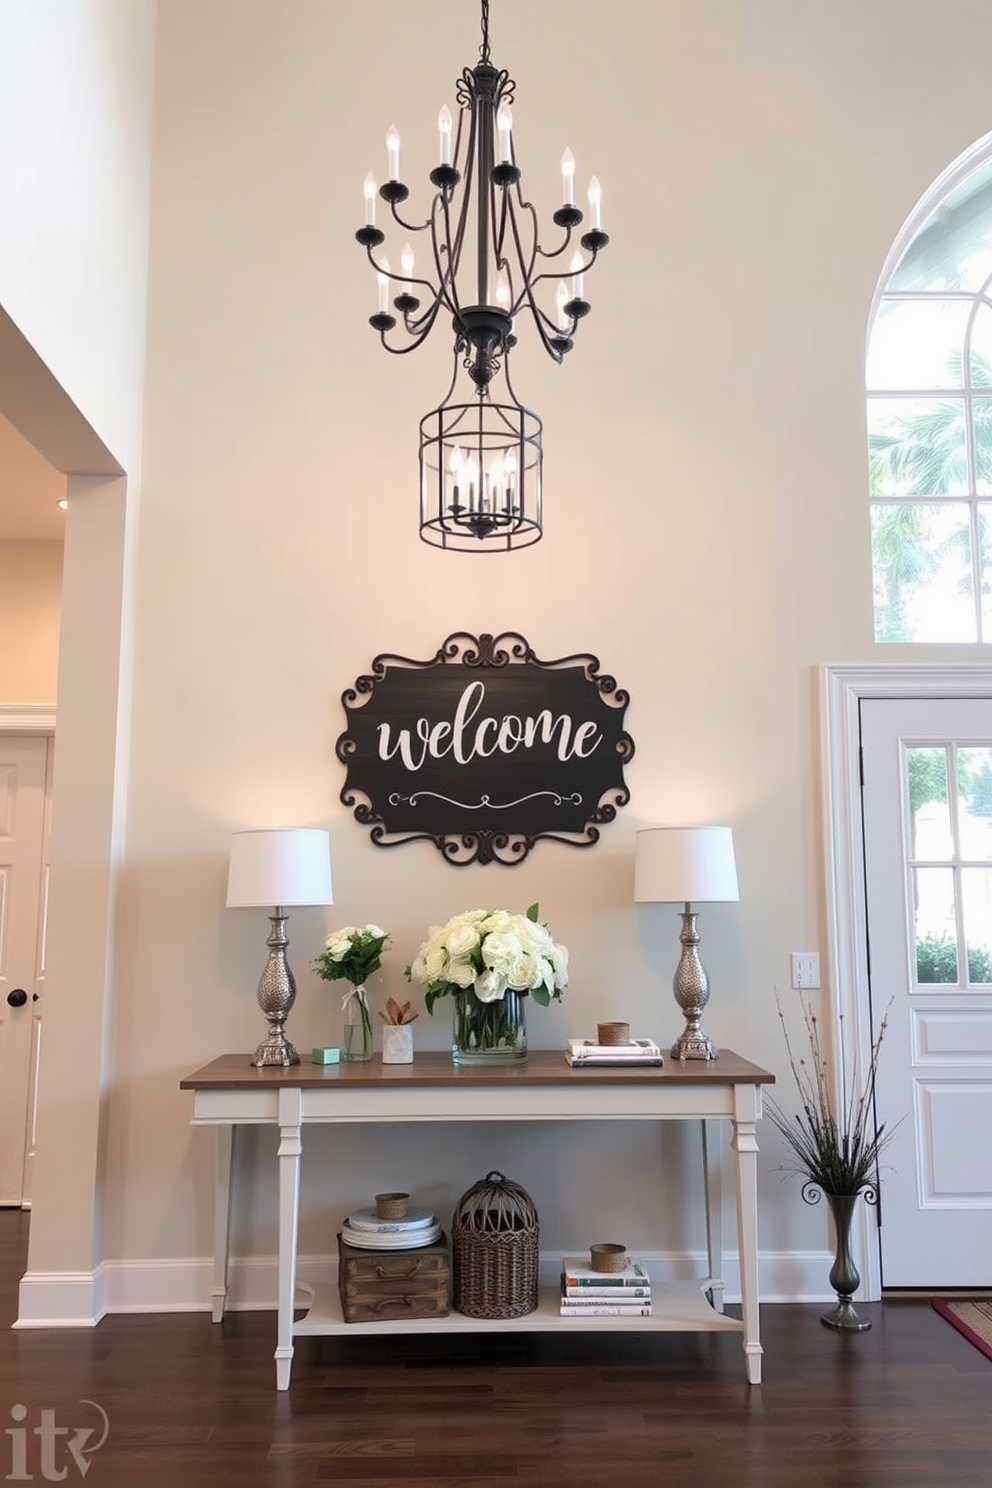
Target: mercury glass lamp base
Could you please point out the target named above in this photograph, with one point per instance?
(692, 992)
(276, 1051)
(693, 1044)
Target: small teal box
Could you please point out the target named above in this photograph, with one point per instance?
(326, 1056)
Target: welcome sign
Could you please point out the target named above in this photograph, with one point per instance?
(484, 749)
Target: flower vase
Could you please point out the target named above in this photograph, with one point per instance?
(844, 1276)
(356, 1041)
(489, 1032)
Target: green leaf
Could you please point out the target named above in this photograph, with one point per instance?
(533, 913)
(434, 991)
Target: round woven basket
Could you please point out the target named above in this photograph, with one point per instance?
(494, 1246)
(610, 1034)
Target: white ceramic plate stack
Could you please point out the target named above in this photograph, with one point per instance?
(365, 1229)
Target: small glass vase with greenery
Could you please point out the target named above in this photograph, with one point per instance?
(353, 954)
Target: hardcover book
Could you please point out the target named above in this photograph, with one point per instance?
(607, 1309)
(578, 1273)
(632, 1292)
(638, 1051)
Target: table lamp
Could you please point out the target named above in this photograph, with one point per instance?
(287, 866)
(687, 865)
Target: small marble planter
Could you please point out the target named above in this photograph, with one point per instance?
(397, 1043)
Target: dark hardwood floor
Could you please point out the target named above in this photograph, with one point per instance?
(907, 1405)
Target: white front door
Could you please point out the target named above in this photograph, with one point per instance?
(927, 817)
(25, 772)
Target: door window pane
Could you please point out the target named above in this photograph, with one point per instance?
(926, 779)
(935, 929)
(976, 904)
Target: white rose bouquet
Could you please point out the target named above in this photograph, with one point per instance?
(352, 955)
(490, 952)
(488, 961)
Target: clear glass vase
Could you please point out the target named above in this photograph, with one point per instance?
(489, 1032)
(356, 1039)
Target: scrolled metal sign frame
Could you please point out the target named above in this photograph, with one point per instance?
(484, 749)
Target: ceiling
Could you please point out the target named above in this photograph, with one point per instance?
(29, 490)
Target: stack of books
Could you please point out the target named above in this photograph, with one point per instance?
(589, 1293)
(579, 1052)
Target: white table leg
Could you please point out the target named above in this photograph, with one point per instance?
(224, 1144)
(290, 1149)
(713, 1183)
(747, 1100)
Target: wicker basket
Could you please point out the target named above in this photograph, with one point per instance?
(494, 1242)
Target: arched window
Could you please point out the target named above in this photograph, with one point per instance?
(929, 379)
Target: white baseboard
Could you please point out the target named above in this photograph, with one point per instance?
(80, 1300)
(61, 1299)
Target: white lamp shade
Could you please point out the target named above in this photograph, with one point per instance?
(682, 865)
(284, 867)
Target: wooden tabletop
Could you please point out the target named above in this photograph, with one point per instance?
(541, 1067)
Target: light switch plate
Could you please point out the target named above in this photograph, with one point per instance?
(805, 970)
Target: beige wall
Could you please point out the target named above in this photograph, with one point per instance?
(30, 605)
(76, 97)
(706, 533)
(76, 78)
(706, 536)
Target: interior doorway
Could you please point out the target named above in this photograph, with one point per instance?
(88, 801)
(25, 832)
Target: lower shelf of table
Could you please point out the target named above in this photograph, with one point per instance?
(677, 1307)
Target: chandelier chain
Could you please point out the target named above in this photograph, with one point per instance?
(484, 48)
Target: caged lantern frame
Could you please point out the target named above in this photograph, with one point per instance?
(481, 456)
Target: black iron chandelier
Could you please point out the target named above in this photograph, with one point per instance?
(480, 450)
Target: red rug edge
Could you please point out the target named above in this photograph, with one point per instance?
(944, 1309)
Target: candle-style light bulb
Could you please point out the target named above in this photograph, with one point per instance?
(455, 464)
(382, 276)
(393, 152)
(568, 179)
(596, 203)
(503, 290)
(504, 123)
(444, 134)
(496, 475)
(406, 259)
(510, 472)
(578, 277)
(369, 189)
(472, 477)
(561, 300)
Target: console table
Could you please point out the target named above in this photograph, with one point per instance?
(230, 1092)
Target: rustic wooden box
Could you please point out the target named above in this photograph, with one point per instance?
(383, 1285)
